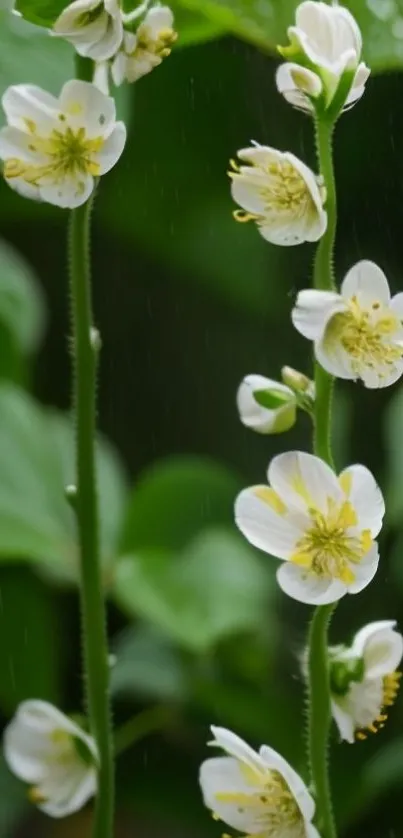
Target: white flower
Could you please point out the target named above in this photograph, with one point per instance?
(280, 193)
(326, 43)
(53, 754)
(54, 148)
(357, 333)
(256, 793)
(94, 27)
(145, 49)
(266, 406)
(321, 526)
(363, 679)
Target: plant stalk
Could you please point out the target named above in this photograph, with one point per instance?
(85, 350)
(319, 719)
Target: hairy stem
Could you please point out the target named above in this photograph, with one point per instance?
(319, 719)
(85, 349)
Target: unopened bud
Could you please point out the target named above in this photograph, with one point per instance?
(266, 406)
(297, 381)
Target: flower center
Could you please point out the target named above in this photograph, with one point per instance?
(69, 153)
(328, 548)
(273, 807)
(365, 335)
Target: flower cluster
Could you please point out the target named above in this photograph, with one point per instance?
(98, 29)
(321, 524)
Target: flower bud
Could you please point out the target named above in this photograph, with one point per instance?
(297, 381)
(266, 406)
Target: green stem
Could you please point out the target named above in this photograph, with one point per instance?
(318, 666)
(85, 345)
(141, 725)
(323, 271)
(320, 717)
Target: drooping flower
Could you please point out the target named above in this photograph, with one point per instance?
(279, 193)
(321, 525)
(54, 148)
(93, 27)
(363, 679)
(325, 58)
(266, 406)
(54, 755)
(147, 47)
(256, 793)
(357, 334)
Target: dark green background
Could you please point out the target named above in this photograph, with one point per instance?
(188, 302)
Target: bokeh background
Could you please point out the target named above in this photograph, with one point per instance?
(187, 303)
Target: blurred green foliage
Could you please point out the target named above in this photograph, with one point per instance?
(187, 302)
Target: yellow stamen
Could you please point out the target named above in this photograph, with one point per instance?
(346, 482)
(391, 685)
(35, 796)
(242, 216)
(70, 154)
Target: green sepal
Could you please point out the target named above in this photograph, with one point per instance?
(343, 673)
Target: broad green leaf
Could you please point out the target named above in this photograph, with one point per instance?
(175, 499)
(36, 463)
(29, 645)
(215, 588)
(28, 54)
(147, 665)
(21, 300)
(264, 23)
(14, 802)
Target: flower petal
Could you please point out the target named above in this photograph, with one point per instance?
(343, 721)
(223, 775)
(296, 785)
(236, 747)
(383, 376)
(68, 793)
(367, 282)
(88, 107)
(364, 571)
(313, 310)
(307, 587)
(396, 304)
(30, 108)
(112, 148)
(19, 144)
(69, 193)
(303, 481)
(247, 193)
(265, 528)
(365, 496)
(331, 355)
(380, 646)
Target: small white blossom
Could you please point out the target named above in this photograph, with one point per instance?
(325, 44)
(145, 49)
(256, 792)
(363, 679)
(53, 754)
(54, 148)
(266, 406)
(321, 525)
(93, 27)
(279, 193)
(357, 334)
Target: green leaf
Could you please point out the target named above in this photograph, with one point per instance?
(147, 665)
(21, 300)
(36, 463)
(29, 647)
(14, 802)
(214, 589)
(264, 23)
(175, 499)
(28, 54)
